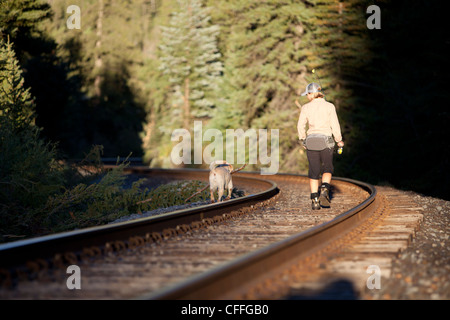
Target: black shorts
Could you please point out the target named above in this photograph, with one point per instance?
(320, 162)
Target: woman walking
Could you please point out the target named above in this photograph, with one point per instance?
(323, 126)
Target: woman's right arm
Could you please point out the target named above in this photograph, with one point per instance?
(335, 126)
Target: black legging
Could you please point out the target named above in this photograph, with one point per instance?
(319, 159)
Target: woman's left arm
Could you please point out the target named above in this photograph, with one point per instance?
(335, 126)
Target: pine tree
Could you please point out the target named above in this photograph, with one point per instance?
(20, 21)
(190, 59)
(23, 22)
(16, 104)
(28, 170)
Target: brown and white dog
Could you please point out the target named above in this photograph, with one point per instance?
(220, 179)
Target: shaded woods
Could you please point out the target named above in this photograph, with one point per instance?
(403, 111)
(137, 70)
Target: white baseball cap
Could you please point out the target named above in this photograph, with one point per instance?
(312, 87)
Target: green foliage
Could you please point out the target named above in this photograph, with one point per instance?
(20, 21)
(175, 194)
(28, 175)
(93, 204)
(16, 104)
(188, 50)
(88, 205)
(29, 172)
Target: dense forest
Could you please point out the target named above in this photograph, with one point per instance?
(135, 71)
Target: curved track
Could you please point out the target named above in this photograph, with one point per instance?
(214, 251)
(241, 276)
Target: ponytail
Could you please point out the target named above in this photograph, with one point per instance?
(318, 95)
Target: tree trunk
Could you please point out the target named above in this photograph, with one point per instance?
(186, 107)
(98, 56)
(337, 101)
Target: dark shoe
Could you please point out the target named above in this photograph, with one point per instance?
(325, 195)
(315, 203)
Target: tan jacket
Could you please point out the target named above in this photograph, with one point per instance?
(321, 117)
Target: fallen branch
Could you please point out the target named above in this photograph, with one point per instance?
(144, 201)
(239, 169)
(197, 193)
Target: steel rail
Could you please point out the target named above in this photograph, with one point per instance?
(230, 279)
(16, 253)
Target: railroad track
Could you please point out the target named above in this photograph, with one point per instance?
(246, 248)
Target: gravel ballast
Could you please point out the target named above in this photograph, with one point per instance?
(422, 271)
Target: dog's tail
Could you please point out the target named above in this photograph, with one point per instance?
(216, 163)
